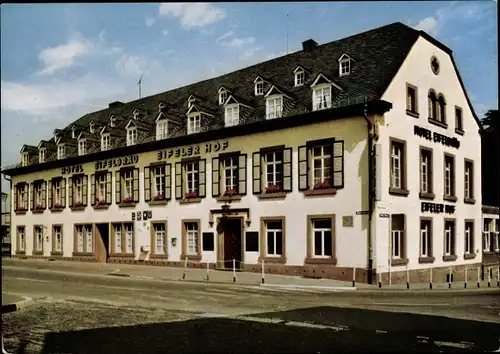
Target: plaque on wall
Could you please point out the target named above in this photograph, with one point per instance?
(144, 215)
(252, 241)
(133, 216)
(150, 214)
(208, 243)
(139, 216)
(347, 221)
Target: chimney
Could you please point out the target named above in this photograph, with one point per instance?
(116, 104)
(309, 45)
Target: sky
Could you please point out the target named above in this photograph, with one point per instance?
(61, 61)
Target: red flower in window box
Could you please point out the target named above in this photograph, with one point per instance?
(100, 201)
(77, 204)
(273, 188)
(191, 194)
(322, 185)
(230, 192)
(159, 196)
(38, 206)
(128, 199)
(57, 205)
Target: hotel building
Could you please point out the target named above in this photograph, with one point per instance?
(359, 155)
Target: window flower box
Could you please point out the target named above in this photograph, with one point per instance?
(273, 188)
(78, 204)
(100, 201)
(57, 205)
(21, 209)
(38, 206)
(322, 185)
(230, 192)
(128, 199)
(159, 196)
(191, 194)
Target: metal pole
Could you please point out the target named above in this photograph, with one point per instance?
(489, 277)
(262, 266)
(390, 253)
(449, 278)
(498, 275)
(208, 270)
(478, 281)
(379, 279)
(430, 278)
(234, 270)
(465, 280)
(185, 266)
(354, 277)
(407, 277)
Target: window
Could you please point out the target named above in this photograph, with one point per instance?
(425, 238)
(21, 239)
(131, 136)
(497, 237)
(60, 152)
(322, 97)
(459, 125)
(449, 238)
(57, 193)
(159, 241)
(449, 176)
(274, 238)
(425, 171)
(411, 99)
(118, 238)
(91, 127)
(190, 179)
(300, 78)
(469, 237)
(39, 201)
(442, 109)
(84, 239)
(157, 182)
(323, 238)
(259, 88)
(82, 147)
(191, 239)
(345, 67)
(468, 180)
(398, 166)
(322, 166)
(105, 142)
(232, 115)
(101, 188)
(21, 199)
(229, 175)
(42, 156)
(222, 97)
(57, 240)
(274, 107)
(433, 106)
(78, 190)
(398, 236)
(273, 162)
(161, 130)
(25, 159)
(272, 170)
(38, 240)
(73, 132)
(129, 238)
(127, 185)
(194, 124)
(112, 121)
(487, 245)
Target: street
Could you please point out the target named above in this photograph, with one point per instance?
(97, 313)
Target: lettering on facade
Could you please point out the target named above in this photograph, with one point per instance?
(72, 169)
(436, 137)
(193, 150)
(437, 208)
(117, 162)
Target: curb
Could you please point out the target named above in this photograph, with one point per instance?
(21, 304)
(311, 287)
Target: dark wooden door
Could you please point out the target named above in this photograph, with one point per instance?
(232, 243)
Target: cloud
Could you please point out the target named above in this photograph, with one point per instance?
(130, 65)
(149, 21)
(63, 56)
(224, 36)
(192, 15)
(165, 32)
(239, 42)
(428, 25)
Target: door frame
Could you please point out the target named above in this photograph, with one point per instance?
(220, 243)
(98, 233)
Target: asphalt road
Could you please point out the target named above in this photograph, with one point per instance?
(106, 314)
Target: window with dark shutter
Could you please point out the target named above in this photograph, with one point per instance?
(118, 187)
(215, 177)
(63, 193)
(44, 194)
(136, 185)
(32, 199)
(168, 181)
(201, 178)
(178, 180)
(85, 189)
(256, 173)
(287, 170)
(338, 164)
(70, 192)
(108, 188)
(16, 197)
(303, 168)
(242, 174)
(49, 191)
(92, 190)
(147, 184)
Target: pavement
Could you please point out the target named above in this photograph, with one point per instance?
(79, 308)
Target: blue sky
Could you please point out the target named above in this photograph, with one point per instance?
(60, 61)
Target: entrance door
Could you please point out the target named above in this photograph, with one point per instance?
(232, 242)
(102, 242)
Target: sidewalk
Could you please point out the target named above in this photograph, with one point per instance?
(241, 278)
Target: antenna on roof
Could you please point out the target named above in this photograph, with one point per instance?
(140, 86)
(286, 33)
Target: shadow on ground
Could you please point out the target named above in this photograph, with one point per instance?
(225, 335)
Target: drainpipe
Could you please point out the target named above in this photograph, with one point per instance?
(369, 125)
(10, 222)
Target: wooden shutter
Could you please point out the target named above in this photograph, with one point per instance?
(215, 177)
(178, 180)
(92, 189)
(135, 184)
(49, 191)
(63, 192)
(242, 174)
(85, 190)
(287, 169)
(26, 196)
(118, 187)
(256, 173)
(44, 194)
(303, 168)
(109, 198)
(70, 191)
(168, 181)
(147, 184)
(16, 197)
(338, 164)
(32, 200)
(202, 185)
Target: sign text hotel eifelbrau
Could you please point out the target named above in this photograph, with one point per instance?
(117, 162)
(193, 150)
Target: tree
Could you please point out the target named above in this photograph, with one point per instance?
(490, 121)
(490, 158)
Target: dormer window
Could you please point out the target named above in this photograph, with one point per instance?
(131, 136)
(232, 116)
(41, 156)
(274, 106)
(300, 78)
(194, 124)
(259, 88)
(60, 152)
(82, 147)
(105, 142)
(161, 129)
(222, 96)
(56, 137)
(344, 65)
(25, 159)
(112, 121)
(136, 114)
(191, 100)
(73, 133)
(161, 107)
(322, 97)
(91, 127)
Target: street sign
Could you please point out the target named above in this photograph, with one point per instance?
(362, 212)
(383, 215)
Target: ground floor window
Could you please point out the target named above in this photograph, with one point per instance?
(84, 239)
(123, 240)
(159, 238)
(449, 238)
(469, 237)
(191, 238)
(38, 239)
(321, 237)
(273, 237)
(57, 240)
(21, 239)
(398, 236)
(425, 238)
